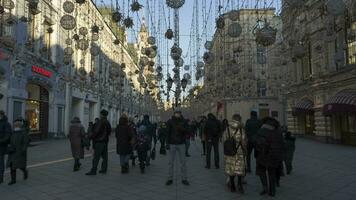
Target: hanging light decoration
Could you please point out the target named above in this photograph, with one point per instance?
(151, 40)
(220, 22)
(208, 57)
(184, 83)
(136, 6)
(208, 45)
(116, 16)
(175, 4)
(68, 6)
(82, 44)
(234, 15)
(266, 35)
(186, 67)
(176, 52)
(169, 34)
(128, 22)
(234, 30)
(68, 22)
(95, 29)
(83, 31)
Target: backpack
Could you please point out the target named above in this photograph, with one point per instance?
(230, 147)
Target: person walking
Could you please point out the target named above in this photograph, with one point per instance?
(5, 134)
(189, 136)
(100, 138)
(18, 151)
(145, 135)
(235, 164)
(76, 137)
(212, 131)
(269, 154)
(289, 145)
(124, 140)
(176, 135)
(134, 142)
(202, 135)
(162, 137)
(252, 126)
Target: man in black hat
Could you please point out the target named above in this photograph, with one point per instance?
(5, 134)
(100, 137)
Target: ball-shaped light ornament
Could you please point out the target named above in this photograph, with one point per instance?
(152, 53)
(67, 59)
(179, 62)
(200, 65)
(116, 16)
(83, 44)
(68, 51)
(159, 69)
(169, 34)
(186, 67)
(234, 30)
(8, 4)
(68, 22)
(94, 37)
(336, 7)
(128, 22)
(151, 40)
(175, 4)
(208, 57)
(83, 31)
(159, 76)
(143, 61)
(136, 6)
(220, 22)
(151, 63)
(234, 15)
(68, 6)
(208, 45)
(266, 36)
(187, 76)
(95, 29)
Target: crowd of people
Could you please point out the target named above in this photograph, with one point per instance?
(271, 145)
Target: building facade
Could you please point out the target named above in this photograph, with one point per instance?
(240, 74)
(49, 75)
(319, 50)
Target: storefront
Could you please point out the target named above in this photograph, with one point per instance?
(303, 112)
(341, 109)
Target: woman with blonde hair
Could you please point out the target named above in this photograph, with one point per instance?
(235, 152)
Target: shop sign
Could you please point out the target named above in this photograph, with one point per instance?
(41, 71)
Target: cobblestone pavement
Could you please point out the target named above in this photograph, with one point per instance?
(322, 171)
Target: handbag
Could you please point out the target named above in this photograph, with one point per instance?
(230, 147)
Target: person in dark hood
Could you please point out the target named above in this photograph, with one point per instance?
(289, 145)
(212, 131)
(202, 135)
(176, 136)
(5, 134)
(18, 151)
(76, 136)
(100, 137)
(145, 134)
(252, 126)
(124, 141)
(269, 154)
(162, 136)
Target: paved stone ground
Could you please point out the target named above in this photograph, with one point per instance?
(322, 171)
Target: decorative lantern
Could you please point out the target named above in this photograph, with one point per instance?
(68, 22)
(266, 36)
(95, 29)
(220, 22)
(136, 6)
(116, 16)
(234, 15)
(128, 22)
(208, 57)
(83, 31)
(234, 30)
(175, 4)
(169, 34)
(68, 7)
(83, 44)
(336, 7)
(151, 40)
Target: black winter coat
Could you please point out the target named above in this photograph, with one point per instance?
(5, 134)
(124, 139)
(102, 131)
(212, 129)
(252, 126)
(176, 131)
(18, 144)
(269, 146)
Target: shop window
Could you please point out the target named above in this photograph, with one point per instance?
(261, 88)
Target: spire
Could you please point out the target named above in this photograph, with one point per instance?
(143, 26)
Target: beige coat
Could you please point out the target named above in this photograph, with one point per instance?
(235, 165)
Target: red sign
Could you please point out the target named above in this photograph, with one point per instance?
(41, 71)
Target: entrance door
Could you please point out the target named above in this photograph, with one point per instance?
(37, 110)
(264, 112)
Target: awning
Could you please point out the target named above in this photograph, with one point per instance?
(303, 106)
(344, 101)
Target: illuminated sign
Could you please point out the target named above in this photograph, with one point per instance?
(41, 71)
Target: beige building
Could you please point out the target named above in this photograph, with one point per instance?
(244, 75)
(320, 52)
